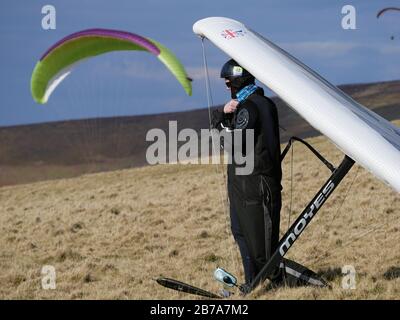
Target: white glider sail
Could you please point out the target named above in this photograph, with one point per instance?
(363, 135)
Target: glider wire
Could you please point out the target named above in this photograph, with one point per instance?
(345, 195)
(224, 199)
(207, 78)
(291, 185)
(360, 235)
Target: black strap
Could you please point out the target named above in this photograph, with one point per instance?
(316, 153)
(184, 287)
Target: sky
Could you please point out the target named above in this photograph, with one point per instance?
(132, 83)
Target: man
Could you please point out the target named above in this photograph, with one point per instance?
(255, 199)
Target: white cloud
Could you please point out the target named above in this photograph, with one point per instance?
(153, 71)
(327, 48)
(142, 69)
(197, 73)
(336, 48)
(389, 49)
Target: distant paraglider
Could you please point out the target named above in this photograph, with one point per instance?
(383, 11)
(56, 63)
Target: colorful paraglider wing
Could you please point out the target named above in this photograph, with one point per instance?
(174, 66)
(58, 60)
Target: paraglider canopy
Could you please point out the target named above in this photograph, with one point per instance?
(381, 12)
(57, 62)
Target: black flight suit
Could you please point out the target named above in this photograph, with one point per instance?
(255, 199)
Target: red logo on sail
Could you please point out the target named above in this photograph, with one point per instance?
(230, 34)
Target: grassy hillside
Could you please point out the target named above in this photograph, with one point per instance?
(109, 234)
(31, 153)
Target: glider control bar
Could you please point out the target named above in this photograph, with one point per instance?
(300, 224)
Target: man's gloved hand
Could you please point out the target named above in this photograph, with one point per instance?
(224, 116)
(217, 118)
(231, 106)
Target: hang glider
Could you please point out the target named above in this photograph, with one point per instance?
(58, 61)
(364, 136)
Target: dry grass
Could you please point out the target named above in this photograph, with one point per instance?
(109, 234)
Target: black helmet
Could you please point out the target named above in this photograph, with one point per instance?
(237, 75)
